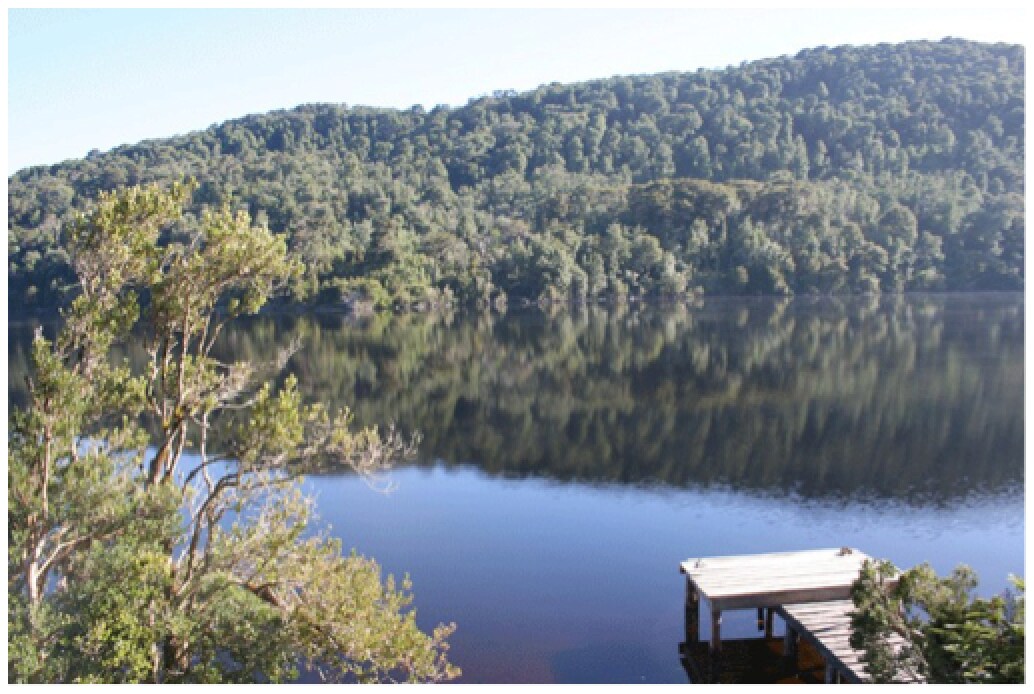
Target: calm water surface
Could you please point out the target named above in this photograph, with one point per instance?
(571, 460)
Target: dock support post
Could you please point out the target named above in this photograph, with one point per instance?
(768, 623)
(790, 643)
(692, 615)
(716, 631)
(714, 654)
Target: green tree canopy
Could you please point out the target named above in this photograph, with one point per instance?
(846, 169)
(140, 549)
(947, 635)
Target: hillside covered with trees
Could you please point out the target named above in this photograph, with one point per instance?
(849, 169)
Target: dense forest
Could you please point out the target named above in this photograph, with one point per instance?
(839, 170)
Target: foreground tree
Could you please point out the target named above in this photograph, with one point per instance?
(156, 530)
(949, 636)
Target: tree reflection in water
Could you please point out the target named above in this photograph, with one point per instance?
(916, 398)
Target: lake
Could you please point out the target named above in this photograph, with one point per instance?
(572, 458)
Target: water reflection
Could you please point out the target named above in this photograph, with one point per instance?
(564, 582)
(728, 427)
(917, 398)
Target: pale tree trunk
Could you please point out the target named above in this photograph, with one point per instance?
(35, 576)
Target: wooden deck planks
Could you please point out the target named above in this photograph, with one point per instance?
(767, 566)
(827, 627)
(739, 561)
(767, 580)
(733, 586)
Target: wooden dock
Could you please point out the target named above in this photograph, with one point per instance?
(809, 590)
(827, 627)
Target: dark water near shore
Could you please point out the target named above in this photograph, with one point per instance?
(570, 460)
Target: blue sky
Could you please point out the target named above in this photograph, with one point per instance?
(83, 79)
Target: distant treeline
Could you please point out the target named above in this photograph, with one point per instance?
(850, 169)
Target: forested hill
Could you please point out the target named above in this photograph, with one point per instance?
(879, 168)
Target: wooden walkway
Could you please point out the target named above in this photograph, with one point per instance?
(827, 627)
(809, 590)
